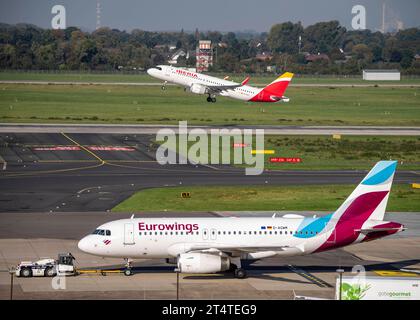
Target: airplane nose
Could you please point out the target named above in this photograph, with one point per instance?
(149, 71)
(83, 245)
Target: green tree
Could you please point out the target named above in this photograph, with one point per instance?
(284, 37)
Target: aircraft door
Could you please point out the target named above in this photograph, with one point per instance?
(167, 72)
(129, 233)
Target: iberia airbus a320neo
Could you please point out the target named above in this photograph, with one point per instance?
(199, 83)
(209, 245)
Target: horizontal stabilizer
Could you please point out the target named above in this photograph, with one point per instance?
(366, 231)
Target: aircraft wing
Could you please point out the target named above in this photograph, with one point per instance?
(229, 248)
(218, 89)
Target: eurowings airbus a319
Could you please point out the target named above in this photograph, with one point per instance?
(199, 83)
(211, 245)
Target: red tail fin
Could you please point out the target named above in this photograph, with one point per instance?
(275, 90)
(279, 86)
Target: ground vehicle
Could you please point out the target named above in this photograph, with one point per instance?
(47, 267)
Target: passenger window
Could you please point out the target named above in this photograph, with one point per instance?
(108, 232)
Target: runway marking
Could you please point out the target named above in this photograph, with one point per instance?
(83, 147)
(107, 161)
(86, 189)
(29, 174)
(315, 280)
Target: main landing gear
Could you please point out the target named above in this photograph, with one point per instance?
(238, 272)
(211, 99)
(128, 271)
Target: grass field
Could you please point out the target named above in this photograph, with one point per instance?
(131, 104)
(326, 153)
(143, 77)
(259, 198)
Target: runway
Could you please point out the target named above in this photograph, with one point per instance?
(55, 172)
(153, 129)
(39, 177)
(143, 84)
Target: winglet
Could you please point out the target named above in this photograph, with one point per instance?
(245, 81)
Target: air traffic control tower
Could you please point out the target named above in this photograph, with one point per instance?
(204, 55)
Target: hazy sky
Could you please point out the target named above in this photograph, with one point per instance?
(221, 15)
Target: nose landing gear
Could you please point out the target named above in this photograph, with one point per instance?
(164, 85)
(128, 271)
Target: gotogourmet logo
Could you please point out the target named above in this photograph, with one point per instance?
(190, 227)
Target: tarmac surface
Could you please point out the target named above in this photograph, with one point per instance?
(79, 172)
(351, 85)
(29, 237)
(153, 129)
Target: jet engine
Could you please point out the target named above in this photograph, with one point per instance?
(202, 263)
(198, 88)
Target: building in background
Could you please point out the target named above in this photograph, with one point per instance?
(204, 56)
(378, 75)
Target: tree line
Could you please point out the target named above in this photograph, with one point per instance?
(323, 48)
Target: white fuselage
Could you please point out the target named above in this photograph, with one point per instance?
(199, 81)
(169, 237)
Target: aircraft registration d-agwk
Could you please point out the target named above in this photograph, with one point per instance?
(199, 83)
(210, 245)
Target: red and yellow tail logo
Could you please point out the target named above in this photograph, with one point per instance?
(275, 90)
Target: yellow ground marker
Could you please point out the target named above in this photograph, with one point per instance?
(97, 271)
(415, 185)
(391, 273)
(262, 151)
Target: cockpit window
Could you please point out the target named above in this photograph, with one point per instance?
(159, 68)
(102, 232)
